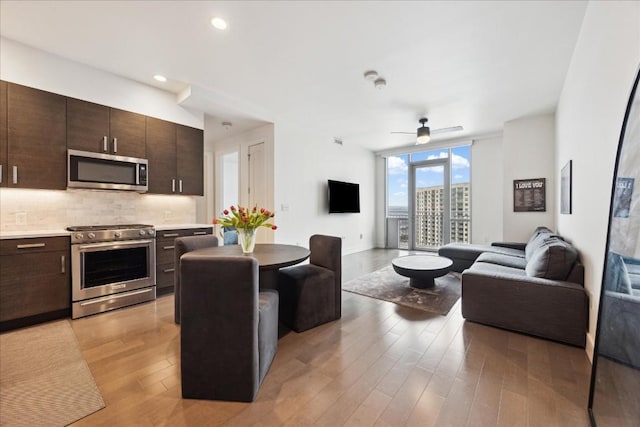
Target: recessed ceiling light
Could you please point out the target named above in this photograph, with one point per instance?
(219, 23)
(160, 78)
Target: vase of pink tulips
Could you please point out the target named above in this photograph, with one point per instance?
(246, 222)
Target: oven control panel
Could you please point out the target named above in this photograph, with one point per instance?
(94, 234)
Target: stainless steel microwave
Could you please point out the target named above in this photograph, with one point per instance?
(106, 171)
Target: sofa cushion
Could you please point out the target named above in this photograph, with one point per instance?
(536, 241)
(552, 260)
(503, 259)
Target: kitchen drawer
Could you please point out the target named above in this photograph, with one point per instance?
(164, 275)
(172, 234)
(165, 253)
(33, 245)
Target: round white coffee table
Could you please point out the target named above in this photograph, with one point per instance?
(421, 269)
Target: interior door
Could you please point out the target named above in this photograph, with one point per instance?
(429, 201)
(257, 183)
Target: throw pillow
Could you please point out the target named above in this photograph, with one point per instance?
(536, 241)
(552, 260)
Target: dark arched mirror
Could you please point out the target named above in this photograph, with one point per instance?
(614, 398)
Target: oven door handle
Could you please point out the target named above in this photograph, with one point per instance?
(114, 245)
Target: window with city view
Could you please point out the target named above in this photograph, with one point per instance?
(429, 198)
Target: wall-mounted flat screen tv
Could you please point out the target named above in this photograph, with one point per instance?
(344, 197)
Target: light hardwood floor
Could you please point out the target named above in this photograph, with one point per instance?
(381, 364)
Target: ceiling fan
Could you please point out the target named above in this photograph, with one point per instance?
(424, 133)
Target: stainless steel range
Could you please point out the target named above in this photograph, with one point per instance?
(112, 266)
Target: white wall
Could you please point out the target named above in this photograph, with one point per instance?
(528, 152)
(589, 119)
(305, 160)
(486, 190)
(35, 68)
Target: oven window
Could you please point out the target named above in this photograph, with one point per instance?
(116, 265)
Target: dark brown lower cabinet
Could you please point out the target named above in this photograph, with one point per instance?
(34, 281)
(165, 255)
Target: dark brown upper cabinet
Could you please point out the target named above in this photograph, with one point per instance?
(190, 154)
(3, 134)
(175, 154)
(100, 129)
(161, 153)
(36, 138)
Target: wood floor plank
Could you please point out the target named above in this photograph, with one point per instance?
(426, 411)
(369, 411)
(401, 406)
(513, 410)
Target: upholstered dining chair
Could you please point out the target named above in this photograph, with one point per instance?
(229, 329)
(182, 246)
(311, 294)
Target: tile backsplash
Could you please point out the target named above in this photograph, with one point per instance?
(32, 210)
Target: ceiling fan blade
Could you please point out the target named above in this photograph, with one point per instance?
(445, 130)
(407, 133)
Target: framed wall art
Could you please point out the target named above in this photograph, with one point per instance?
(529, 195)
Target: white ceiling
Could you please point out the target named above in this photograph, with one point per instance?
(475, 64)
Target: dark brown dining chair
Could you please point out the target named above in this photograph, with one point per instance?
(311, 294)
(182, 246)
(229, 329)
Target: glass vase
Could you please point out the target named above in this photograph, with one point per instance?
(247, 239)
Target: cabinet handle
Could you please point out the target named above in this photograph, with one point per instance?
(173, 185)
(115, 145)
(166, 248)
(199, 233)
(171, 235)
(169, 270)
(181, 186)
(31, 245)
(0, 174)
(62, 264)
(15, 174)
(105, 146)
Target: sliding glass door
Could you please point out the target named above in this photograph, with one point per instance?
(429, 204)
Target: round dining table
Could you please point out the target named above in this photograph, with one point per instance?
(270, 256)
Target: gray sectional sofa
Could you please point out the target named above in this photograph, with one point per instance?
(536, 287)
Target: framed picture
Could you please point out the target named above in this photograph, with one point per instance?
(565, 189)
(529, 195)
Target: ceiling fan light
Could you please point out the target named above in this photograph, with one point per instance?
(424, 135)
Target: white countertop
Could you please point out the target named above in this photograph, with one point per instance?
(32, 234)
(56, 233)
(164, 227)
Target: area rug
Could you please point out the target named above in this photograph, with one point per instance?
(44, 380)
(387, 285)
